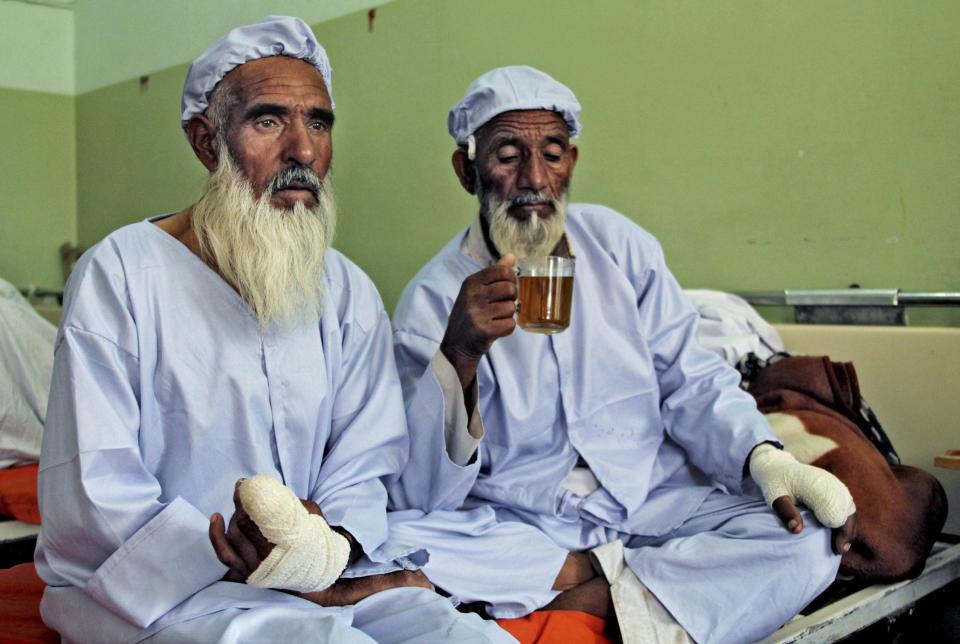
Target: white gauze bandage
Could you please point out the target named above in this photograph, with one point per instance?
(778, 474)
(307, 555)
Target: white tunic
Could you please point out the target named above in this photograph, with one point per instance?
(165, 392)
(625, 400)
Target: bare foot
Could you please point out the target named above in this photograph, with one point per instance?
(350, 590)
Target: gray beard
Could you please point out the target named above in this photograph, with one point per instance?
(272, 256)
(533, 237)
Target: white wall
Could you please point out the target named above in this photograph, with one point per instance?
(36, 48)
(122, 39)
(97, 43)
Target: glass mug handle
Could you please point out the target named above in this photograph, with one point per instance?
(519, 274)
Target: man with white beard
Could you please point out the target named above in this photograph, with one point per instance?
(225, 343)
(615, 468)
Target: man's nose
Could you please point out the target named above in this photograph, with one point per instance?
(299, 146)
(533, 174)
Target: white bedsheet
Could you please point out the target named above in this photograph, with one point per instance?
(26, 364)
(731, 328)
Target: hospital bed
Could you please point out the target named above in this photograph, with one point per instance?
(908, 375)
(910, 378)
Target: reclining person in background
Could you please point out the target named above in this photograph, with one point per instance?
(620, 437)
(223, 342)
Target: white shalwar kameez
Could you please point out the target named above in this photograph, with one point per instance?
(620, 427)
(165, 392)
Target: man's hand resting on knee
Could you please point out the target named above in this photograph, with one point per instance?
(312, 554)
(784, 481)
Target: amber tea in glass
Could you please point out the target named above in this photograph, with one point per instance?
(545, 293)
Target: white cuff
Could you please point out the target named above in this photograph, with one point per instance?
(461, 434)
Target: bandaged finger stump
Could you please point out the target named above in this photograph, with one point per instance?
(307, 555)
(778, 474)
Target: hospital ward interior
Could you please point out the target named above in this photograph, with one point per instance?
(799, 162)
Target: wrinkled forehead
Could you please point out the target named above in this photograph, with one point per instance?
(528, 125)
(280, 79)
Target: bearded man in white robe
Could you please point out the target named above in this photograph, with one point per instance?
(616, 468)
(219, 346)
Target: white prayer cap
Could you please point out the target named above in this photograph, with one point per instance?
(272, 36)
(512, 88)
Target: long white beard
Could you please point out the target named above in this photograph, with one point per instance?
(272, 256)
(533, 237)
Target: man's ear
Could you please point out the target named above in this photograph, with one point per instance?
(465, 170)
(203, 139)
(574, 155)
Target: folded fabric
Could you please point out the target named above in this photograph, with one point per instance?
(731, 328)
(640, 615)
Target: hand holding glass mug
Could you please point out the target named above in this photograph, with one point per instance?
(544, 293)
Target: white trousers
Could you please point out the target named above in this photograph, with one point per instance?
(398, 615)
(729, 573)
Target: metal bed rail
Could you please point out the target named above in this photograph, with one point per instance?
(34, 294)
(865, 607)
(850, 305)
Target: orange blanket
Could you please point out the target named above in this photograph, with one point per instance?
(557, 627)
(20, 592)
(18, 493)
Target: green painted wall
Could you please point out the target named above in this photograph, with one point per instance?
(38, 185)
(133, 159)
(769, 145)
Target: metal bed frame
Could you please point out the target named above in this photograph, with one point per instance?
(869, 605)
(850, 305)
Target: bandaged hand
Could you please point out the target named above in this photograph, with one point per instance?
(783, 481)
(276, 542)
(307, 554)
